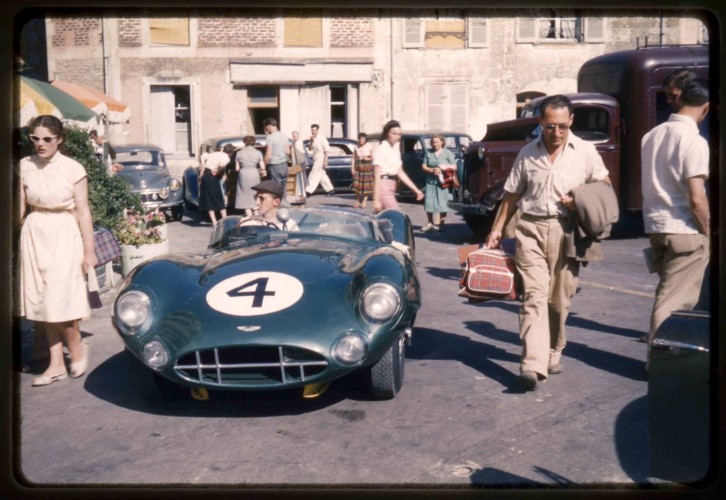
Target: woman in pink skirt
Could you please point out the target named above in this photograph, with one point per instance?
(388, 169)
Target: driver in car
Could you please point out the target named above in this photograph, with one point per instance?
(268, 198)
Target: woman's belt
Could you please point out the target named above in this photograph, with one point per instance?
(50, 210)
(388, 176)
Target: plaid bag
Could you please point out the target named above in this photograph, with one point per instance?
(105, 246)
(488, 274)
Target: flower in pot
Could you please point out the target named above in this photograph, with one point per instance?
(141, 237)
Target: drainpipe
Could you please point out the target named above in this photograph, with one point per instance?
(390, 63)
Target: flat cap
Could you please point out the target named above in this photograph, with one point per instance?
(270, 186)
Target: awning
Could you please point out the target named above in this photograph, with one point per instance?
(42, 98)
(114, 110)
(271, 72)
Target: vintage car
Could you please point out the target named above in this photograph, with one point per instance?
(191, 174)
(270, 309)
(144, 168)
(414, 143)
(340, 157)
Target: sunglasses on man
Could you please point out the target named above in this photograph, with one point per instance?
(47, 139)
(561, 126)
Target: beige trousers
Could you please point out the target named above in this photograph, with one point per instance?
(680, 261)
(550, 281)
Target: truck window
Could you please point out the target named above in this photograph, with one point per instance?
(591, 124)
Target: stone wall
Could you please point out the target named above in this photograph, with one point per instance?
(76, 31)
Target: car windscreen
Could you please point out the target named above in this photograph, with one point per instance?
(144, 159)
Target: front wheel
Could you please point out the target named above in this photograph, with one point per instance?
(386, 375)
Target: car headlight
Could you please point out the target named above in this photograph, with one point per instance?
(132, 311)
(164, 193)
(155, 355)
(174, 185)
(350, 349)
(380, 301)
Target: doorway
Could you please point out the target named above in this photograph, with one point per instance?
(262, 103)
(171, 118)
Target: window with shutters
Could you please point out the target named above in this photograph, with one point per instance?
(447, 106)
(169, 31)
(303, 30)
(560, 25)
(445, 29)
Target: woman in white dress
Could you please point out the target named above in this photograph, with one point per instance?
(56, 247)
(388, 169)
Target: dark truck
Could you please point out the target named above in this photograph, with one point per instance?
(620, 98)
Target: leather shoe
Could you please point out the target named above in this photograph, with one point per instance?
(554, 369)
(528, 380)
(79, 367)
(330, 193)
(49, 379)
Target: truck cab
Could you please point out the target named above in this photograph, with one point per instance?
(620, 98)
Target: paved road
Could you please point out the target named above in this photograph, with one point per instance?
(459, 420)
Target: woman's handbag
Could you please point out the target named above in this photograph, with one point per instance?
(105, 246)
(448, 178)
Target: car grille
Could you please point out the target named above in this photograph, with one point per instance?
(250, 366)
(149, 197)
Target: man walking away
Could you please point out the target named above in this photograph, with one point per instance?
(675, 166)
(276, 152)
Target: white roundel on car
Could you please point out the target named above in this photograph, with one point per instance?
(255, 294)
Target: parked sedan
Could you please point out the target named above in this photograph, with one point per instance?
(266, 309)
(339, 162)
(145, 169)
(191, 174)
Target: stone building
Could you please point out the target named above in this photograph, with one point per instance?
(188, 75)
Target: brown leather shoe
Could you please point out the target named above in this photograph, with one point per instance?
(528, 380)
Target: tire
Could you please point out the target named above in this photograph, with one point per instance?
(177, 212)
(386, 375)
(152, 388)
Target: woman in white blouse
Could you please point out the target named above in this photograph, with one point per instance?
(388, 169)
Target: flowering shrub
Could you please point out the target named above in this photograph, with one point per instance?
(138, 229)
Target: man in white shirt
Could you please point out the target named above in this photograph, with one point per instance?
(539, 184)
(674, 169)
(319, 148)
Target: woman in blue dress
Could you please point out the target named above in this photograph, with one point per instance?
(437, 198)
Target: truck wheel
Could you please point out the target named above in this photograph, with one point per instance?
(151, 387)
(387, 374)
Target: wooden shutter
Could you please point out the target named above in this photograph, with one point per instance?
(169, 31)
(526, 29)
(594, 29)
(436, 106)
(458, 108)
(413, 33)
(477, 33)
(306, 31)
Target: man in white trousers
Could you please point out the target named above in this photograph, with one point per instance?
(319, 148)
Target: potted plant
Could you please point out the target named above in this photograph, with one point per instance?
(141, 237)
